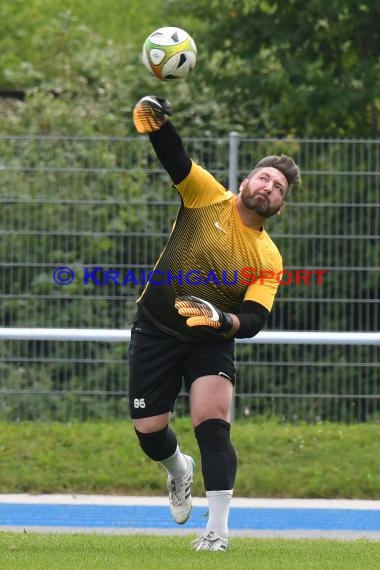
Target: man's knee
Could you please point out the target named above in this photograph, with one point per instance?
(151, 424)
(210, 398)
(158, 445)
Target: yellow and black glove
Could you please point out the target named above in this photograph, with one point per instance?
(150, 113)
(202, 313)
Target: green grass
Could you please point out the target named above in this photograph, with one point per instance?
(90, 552)
(125, 21)
(274, 460)
(326, 460)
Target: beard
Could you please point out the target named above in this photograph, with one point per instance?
(259, 204)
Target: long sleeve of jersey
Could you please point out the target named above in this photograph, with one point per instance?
(252, 319)
(170, 151)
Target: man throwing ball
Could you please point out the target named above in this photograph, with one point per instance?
(184, 332)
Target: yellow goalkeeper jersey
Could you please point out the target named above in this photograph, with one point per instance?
(210, 254)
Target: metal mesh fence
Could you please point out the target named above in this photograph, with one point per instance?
(103, 204)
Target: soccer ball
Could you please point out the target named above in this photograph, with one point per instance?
(169, 53)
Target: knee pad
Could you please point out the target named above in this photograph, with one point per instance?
(158, 445)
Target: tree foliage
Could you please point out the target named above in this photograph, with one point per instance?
(307, 69)
(303, 68)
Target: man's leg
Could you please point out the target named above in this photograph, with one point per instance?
(210, 400)
(154, 383)
(161, 445)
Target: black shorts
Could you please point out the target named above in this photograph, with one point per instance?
(159, 363)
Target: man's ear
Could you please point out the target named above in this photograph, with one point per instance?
(243, 184)
(281, 209)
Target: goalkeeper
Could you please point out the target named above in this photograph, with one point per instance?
(184, 331)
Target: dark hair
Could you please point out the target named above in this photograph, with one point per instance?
(284, 164)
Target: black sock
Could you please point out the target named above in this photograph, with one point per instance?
(217, 453)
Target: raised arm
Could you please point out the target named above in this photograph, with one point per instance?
(151, 116)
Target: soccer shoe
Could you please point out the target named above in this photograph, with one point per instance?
(180, 493)
(150, 113)
(210, 541)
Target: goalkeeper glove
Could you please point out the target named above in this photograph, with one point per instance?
(203, 313)
(150, 113)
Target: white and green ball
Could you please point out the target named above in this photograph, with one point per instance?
(169, 53)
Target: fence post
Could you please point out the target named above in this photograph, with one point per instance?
(233, 161)
(233, 185)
